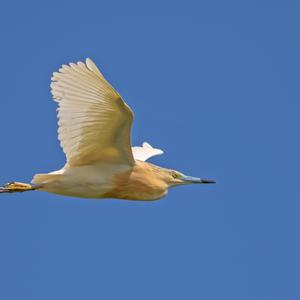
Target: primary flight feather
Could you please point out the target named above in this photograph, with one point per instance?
(94, 125)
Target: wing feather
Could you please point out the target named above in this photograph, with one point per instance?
(94, 122)
(145, 152)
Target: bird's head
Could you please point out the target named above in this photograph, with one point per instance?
(174, 178)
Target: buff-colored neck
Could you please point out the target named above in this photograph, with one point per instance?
(144, 182)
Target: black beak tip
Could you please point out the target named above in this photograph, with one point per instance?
(208, 181)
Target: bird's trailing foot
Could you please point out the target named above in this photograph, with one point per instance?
(16, 187)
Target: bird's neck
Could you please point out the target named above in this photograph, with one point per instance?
(142, 182)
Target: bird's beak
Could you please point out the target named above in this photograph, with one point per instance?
(190, 179)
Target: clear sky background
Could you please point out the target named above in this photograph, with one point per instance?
(216, 87)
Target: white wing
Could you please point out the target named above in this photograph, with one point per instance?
(94, 122)
(145, 152)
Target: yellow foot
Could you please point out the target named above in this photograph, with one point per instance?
(14, 187)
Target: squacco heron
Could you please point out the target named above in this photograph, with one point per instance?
(94, 126)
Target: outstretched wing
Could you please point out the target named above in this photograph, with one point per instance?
(145, 152)
(93, 121)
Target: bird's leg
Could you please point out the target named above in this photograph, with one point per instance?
(17, 187)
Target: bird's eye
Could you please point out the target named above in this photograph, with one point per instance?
(175, 175)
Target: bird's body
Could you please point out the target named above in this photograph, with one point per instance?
(94, 132)
(140, 182)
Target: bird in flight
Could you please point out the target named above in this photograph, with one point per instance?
(94, 126)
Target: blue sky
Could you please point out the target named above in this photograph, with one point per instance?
(216, 87)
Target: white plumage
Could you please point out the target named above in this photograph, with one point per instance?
(145, 152)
